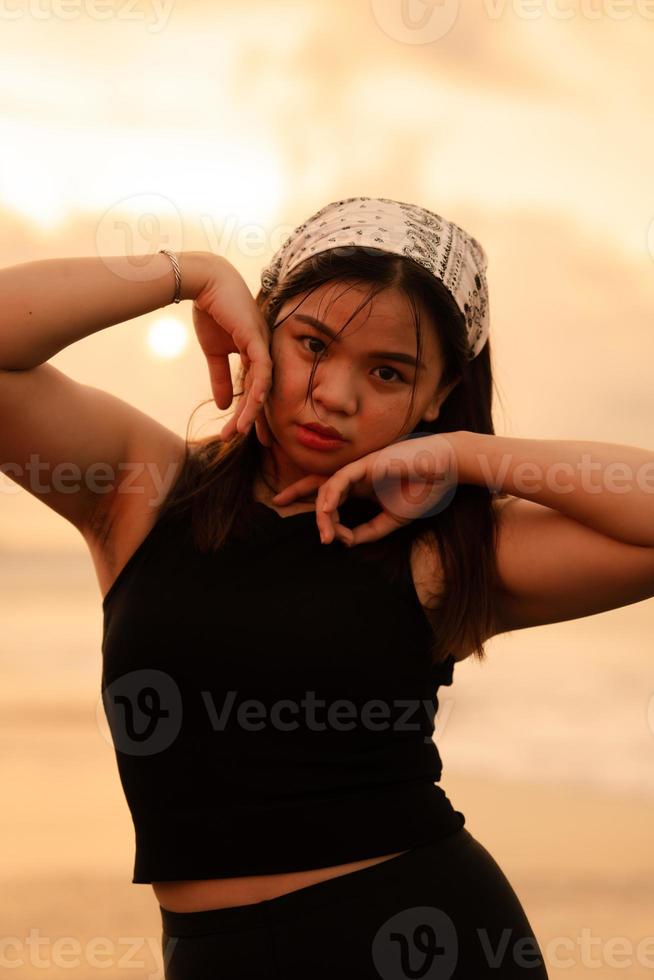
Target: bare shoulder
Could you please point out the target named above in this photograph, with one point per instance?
(427, 569)
(426, 564)
(125, 516)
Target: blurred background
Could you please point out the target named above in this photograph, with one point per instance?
(127, 128)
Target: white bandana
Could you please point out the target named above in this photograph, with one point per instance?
(447, 251)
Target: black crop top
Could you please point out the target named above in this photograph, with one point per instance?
(271, 705)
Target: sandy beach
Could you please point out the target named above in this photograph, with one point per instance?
(556, 704)
(582, 861)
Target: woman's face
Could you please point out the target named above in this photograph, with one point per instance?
(357, 390)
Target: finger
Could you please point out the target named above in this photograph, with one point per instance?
(227, 430)
(345, 534)
(250, 409)
(264, 435)
(261, 424)
(300, 488)
(331, 528)
(334, 492)
(220, 377)
(259, 373)
(324, 519)
(244, 418)
(330, 496)
(230, 427)
(233, 425)
(378, 527)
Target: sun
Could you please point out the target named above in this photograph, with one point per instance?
(167, 338)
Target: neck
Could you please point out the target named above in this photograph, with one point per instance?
(275, 471)
(271, 479)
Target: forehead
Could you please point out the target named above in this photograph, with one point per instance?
(389, 314)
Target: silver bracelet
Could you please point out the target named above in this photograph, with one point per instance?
(178, 274)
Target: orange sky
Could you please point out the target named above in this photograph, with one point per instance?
(533, 132)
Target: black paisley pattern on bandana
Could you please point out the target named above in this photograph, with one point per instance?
(442, 247)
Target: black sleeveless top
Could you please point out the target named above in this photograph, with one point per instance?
(272, 704)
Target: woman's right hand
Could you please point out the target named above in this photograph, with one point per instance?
(227, 321)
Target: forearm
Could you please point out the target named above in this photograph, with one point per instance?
(607, 487)
(48, 304)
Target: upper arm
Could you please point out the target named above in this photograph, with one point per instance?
(551, 568)
(69, 444)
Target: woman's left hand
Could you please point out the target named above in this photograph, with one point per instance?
(410, 479)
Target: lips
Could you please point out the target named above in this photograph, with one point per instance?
(325, 431)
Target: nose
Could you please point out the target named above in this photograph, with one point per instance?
(334, 388)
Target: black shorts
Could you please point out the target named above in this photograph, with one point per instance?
(439, 911)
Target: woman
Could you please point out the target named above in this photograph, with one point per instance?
(258, 584)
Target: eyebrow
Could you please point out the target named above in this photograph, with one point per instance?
(373, 355)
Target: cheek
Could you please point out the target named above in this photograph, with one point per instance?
(290, 377)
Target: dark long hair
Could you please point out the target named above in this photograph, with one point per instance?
(215, 481)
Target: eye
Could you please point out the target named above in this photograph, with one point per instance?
(399, 377)
(315, 341)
